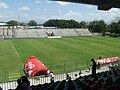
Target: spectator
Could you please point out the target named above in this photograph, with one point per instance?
(67, 76)
(93, 68)
(52, 77)
(19, 86)
(1, 88)
(48, 73)
(100, 58)
(80, 73)
(98, 65)
(25, 83)
(110, 66)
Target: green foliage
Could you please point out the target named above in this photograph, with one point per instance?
(115, 27)
(12, 23)
(98, 27)
(107, 33)
(83, 24)
(32, 23)
(114, 35)
(64, 24)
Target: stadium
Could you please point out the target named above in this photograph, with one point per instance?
(76, 49)
(61, 50)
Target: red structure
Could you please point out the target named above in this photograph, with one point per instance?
(34, 67)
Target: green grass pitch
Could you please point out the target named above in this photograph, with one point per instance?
(55, 53)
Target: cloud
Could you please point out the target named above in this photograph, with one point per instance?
(90, 6)
(7, 16)
(3, 5)
(72, 15)
(37, 1)
(107, 16)
(23, 15)
(48, 2)
(62, 3)
(24, 9)
(110, 15)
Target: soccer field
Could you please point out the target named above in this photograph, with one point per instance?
(56, 54)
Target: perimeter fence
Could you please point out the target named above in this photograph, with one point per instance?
(7, 75)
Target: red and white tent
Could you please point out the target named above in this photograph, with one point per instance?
(107, 60)
(33, 66)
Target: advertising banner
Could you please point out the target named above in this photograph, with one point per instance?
(108, 60)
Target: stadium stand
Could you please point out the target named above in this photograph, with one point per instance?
(72, 33)
(31, 33)
(57, 32)
(68, 33)
(83, 32)
(21, 34)
(108, 80)
(43, 33)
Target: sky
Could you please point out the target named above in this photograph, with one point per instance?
(43, 10)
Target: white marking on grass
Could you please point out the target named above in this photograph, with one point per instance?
(15, 50)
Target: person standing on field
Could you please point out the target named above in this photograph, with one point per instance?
(93, 68)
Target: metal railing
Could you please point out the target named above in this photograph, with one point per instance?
(37, 80)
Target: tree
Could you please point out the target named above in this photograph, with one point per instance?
(32, 23)
(12, 23)
(83, 24)
(103, 27)
(115, 27)
(61, 23)
(23, 24)
(98, 27)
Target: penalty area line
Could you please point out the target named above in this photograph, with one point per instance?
(15, 50)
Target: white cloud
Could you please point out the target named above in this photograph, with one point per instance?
(39, 17)
(72, 15)
(37, 1)
(3, 5)
(7, 16)
(107, 16)
(90, 6)
(69, 15)
(110, 15)
(23, 15)
(48, 2)
(24, 9)
(62, 3)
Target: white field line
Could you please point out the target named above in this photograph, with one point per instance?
(15, 50)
